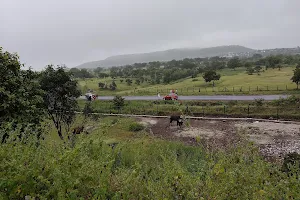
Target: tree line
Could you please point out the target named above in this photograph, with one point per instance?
(174, 70)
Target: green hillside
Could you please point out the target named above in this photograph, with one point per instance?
(238, 80)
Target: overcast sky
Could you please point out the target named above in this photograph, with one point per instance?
(72, 32)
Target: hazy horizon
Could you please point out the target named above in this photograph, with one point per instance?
(74, 32)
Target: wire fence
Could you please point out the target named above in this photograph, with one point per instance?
(203, 90)
(264, 112)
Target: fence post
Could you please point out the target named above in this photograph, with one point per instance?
(156, 109)
(224, 110)
(277, 113)
(232, 89)
(286, 87)
(199, 89)
(277, 87)
(248, 110)
(267, 88)
(257, 88)
(249, 88)
(203, 110)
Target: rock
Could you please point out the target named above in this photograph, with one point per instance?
(27, 197)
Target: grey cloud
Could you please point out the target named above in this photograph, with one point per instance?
(76, 31)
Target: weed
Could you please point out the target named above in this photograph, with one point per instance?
(135, 127)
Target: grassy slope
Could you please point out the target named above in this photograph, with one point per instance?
(230, 79)
(275, 109)
(139, 167)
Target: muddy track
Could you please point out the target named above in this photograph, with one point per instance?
(273, 139)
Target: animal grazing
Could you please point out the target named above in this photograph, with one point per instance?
(177, 118)
(179, 122)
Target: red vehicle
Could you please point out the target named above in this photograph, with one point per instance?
(171, 96)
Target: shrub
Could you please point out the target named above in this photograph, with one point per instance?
(259, 102)
(232, 103)
(135, 127)
(87, 109)
(195, 79)
(118, 102)
(291, 163)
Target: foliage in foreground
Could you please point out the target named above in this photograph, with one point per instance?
(142, 167)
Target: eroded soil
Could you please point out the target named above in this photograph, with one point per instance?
(273, 139)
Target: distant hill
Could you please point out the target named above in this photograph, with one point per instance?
(167, 55)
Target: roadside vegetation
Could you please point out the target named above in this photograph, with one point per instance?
(288, 109)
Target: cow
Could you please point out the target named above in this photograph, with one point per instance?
(178, 118)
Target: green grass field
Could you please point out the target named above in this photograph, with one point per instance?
(272, 81)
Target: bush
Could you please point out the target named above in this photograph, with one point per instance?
(195, 79)
(135, 127)
(232, 103)
(87, 109)
(259, 102)
(118, 102)
(291, 163)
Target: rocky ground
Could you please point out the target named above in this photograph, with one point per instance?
(273, 139)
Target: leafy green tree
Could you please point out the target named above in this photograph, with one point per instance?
(137, 81)
(128, 81)
(257, 56)
(101, 85)
(296, 76)
(234, 63)
(118, 102)
(257, 69)
(248, 65)
(98, 71)
(102, 75)
(250, 70)
(113, 72)
(113, 85)
(272, 61)
(21, 98)
(87, 110)
(211, 76)
(83, 73)
(60, 98)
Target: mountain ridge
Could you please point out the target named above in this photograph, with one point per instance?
(165, 55)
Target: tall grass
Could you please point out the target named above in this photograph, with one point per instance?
(138, 167)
